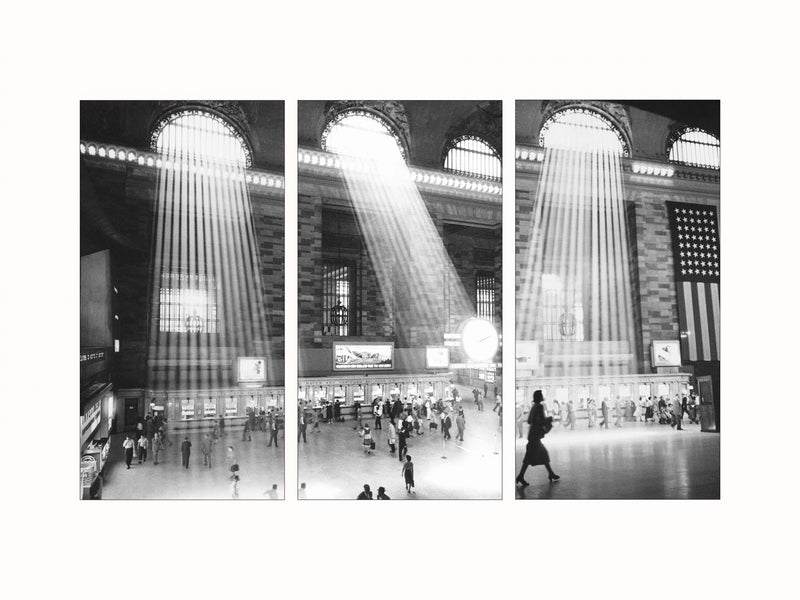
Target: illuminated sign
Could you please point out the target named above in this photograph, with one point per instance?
(252, 369)
(363, 356)
(90, 419)
(437, 357)
(94, 356)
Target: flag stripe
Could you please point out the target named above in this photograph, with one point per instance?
(689, 316)
(715, 309)
(712, 324)
(701, 310)
(682, 322)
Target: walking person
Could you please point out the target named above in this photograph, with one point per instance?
(377, 410)
(221, 426)
(128, 447)
(273, 431)
(604, 412)
(366, 441)
(392, 439)
(158, 447)
(207, 448)
(301, 424)
(677, 412)
(246, 437)
(535, 452)
(408, 474)
(461, 425)
(186, 451)
(570, 415)
(315, 416)
(235, 486)
(498, 401)
(142, 446)
(447, 423)
(402, 447)
(591, 412)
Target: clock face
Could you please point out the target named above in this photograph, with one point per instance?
(479, 340)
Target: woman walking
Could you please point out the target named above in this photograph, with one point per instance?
(536, 453)
(408, 474)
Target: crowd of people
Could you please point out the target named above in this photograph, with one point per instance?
(662, 410)
(151, 436)
(403, 420)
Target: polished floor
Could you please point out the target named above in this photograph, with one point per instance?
(636, 461)
(260, 468)
(333, 464)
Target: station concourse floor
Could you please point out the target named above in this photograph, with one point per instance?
(260, 467)
(333, 464)
(635, 461)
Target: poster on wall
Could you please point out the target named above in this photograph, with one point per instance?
(252, 369)
(363, 356)
(437, 357)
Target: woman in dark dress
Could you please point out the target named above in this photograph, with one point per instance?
(535, 452)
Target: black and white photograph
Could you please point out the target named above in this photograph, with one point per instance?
(182, 300)
(617, 299)
(399, 300)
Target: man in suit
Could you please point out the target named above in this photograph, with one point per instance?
(273, 430)
(186, 451)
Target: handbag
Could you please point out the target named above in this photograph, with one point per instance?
(547, 425)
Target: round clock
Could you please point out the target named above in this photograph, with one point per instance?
(479, 340)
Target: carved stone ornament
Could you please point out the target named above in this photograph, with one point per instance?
(617, 114)
(485, 122)
(391, 111)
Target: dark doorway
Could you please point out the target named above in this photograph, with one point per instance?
(131, 413)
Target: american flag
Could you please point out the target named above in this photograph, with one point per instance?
(695, 245)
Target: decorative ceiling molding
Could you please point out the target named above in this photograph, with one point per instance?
(390, 111)
(485, 122)
(617, 114)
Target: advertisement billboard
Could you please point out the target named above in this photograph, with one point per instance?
(363, 356)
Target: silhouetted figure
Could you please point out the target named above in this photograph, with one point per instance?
(535, 452)
(366, 494)
(186, 451)
(408, 474)
(382, 494)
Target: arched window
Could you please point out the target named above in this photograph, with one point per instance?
(695, 147)
(361, 134)
(199, 133)
(582, 129)
(470, 155)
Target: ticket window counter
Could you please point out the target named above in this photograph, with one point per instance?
(378, 391)
(231, 407)
(210, 408)
(358, 394)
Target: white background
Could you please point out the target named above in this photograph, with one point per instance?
(55, 54)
